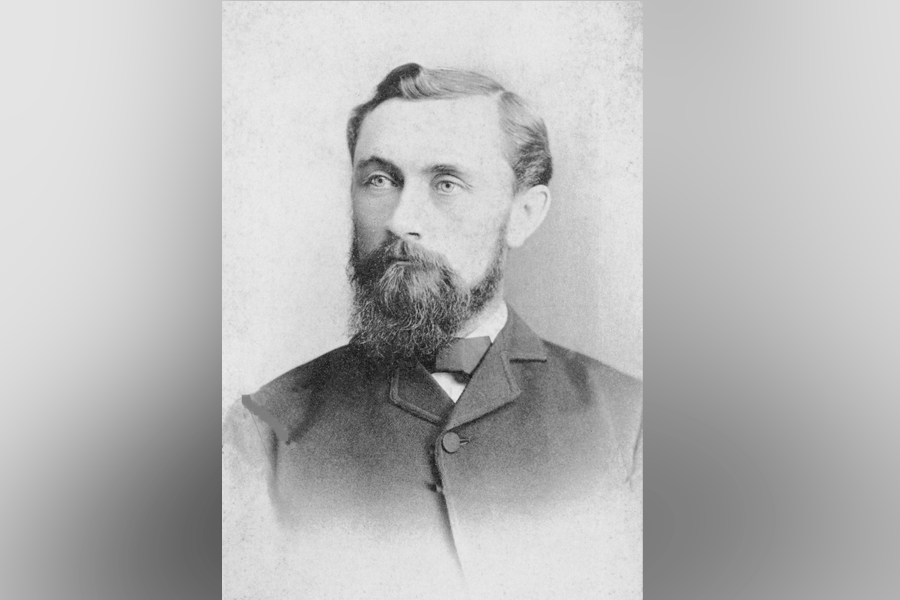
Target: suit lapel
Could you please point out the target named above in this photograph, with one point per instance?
(493, 384)
(415, 391)
(491, 387)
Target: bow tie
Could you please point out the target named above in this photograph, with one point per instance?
(461, 356)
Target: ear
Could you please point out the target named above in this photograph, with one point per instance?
(528, 210)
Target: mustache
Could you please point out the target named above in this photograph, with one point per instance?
(395, 252)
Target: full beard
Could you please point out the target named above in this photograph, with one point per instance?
(408, 302)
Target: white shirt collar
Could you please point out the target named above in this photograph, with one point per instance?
(492, 323)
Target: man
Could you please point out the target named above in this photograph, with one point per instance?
(447, 450)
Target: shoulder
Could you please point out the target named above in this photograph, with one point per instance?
(618, 393)
(279, 406)
(573, 378)
(592, 371)
(288, 399)
(299, 381)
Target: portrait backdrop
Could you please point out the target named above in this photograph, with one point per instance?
(291, 73)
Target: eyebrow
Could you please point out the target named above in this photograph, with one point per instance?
(445, 169)
(380, 163)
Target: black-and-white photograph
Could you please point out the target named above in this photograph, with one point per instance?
(432, 300)
(430, 351)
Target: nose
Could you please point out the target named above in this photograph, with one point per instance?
(408, 219)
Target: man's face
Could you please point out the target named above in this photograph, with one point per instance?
(432, 173)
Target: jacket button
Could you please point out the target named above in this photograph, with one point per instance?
(450, 442)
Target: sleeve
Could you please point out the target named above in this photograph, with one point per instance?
(249, 527)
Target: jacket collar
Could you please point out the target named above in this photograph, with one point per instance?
(520, 342)
(492, 386)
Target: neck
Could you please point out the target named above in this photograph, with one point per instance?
(489, 310)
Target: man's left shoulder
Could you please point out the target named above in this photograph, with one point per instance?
(616, 390)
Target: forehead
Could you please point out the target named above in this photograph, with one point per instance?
(459, 130)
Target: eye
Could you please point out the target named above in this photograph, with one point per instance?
(445, 186)
(380, 181)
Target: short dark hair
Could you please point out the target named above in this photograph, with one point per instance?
(529, 146)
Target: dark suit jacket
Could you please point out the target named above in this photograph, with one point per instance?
(529, 485)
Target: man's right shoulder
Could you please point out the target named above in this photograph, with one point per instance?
(288, 399)
(300, 381)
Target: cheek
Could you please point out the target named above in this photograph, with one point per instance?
(474, 251)
(368, 222)
(474, 239)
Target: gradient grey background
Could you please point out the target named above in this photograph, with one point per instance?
(772, 293)
(291, 73)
